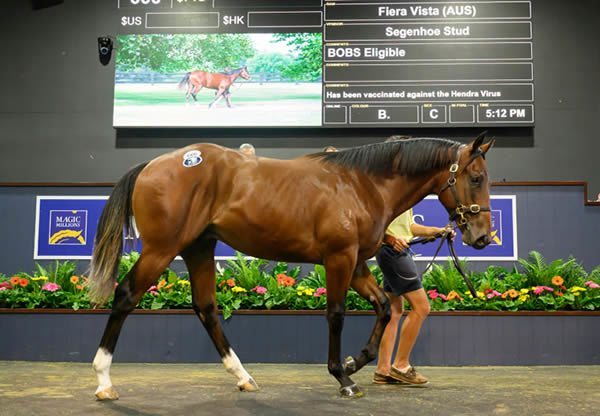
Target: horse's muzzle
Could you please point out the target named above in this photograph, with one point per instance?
(482, 241)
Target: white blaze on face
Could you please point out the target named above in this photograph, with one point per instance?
(101, 365)
(234, 366)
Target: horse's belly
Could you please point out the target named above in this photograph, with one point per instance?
(266, 246)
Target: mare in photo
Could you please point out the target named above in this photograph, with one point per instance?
(220, 81)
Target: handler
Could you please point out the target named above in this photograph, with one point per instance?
(401, 280)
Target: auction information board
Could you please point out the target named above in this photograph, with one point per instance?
(385, 63)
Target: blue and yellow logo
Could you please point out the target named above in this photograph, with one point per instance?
(497, 227)
(68, 227)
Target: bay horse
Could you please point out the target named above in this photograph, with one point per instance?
(220, 81)
(325, 208)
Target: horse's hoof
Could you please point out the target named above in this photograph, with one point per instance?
(249, 385)
(108, 393)
(349, 366)
(352, 391)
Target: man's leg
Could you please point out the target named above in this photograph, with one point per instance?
(388, 340)
(411, 326)
(401, 369)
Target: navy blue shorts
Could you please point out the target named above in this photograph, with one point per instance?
(399, 270)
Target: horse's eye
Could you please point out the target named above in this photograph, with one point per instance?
(476, 180)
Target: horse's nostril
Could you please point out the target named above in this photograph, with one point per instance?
(483, 241)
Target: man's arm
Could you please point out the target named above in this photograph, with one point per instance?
(399, 244)
(419, 230)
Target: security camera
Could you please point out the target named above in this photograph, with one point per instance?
(105, 47)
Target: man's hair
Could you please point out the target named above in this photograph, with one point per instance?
(247, 146)
(330, 149)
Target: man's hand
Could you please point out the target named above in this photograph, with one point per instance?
(450, 232)
(400, 244)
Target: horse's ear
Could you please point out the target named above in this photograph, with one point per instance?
(485, 147)
(477, 142)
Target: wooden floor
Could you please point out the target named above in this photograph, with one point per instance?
(42, 388)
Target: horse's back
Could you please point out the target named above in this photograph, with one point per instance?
(291, 206)
(207, 79)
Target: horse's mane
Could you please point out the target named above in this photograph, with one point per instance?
(233, 71)
(403, 156)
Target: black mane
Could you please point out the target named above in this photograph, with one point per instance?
(405, 157)
(232, 72)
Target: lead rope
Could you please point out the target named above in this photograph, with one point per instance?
(445, 236)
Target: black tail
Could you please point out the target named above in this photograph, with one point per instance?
(185, 80)
(108, 245)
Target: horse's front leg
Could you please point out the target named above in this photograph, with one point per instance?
(218, 97)
(366, 286)
(339, 269)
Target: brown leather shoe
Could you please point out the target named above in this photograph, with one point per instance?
(410, 376)
(379, 378)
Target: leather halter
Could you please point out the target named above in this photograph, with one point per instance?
(458, 214)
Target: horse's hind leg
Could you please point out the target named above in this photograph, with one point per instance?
(189, 91)
(366, 286)
(227, 95)
(144, 273)
(199, 259)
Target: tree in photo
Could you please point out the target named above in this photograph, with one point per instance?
(309, 63)
(179, 53)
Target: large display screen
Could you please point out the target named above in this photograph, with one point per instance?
(280, 63)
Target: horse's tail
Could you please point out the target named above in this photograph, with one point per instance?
(108, 244)
(185, 80)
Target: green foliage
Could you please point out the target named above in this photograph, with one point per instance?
(126, 264)
(316, 278)
(245, 284)
(273, 62)
(247, 274)
(538, 273)
(183, 52)
(309, 63)
(444, 279)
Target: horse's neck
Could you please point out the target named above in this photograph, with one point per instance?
(402, 192)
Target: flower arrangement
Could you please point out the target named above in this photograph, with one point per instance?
(246, 284)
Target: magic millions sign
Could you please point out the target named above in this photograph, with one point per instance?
(65, 228)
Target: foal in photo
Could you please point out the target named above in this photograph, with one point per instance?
(330, 208)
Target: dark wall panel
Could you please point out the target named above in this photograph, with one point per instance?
(173, 338)
(56, 111)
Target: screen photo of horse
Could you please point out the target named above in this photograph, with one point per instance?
(218, 80)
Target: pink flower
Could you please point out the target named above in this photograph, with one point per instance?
(549, 289)
(51, 287)
(259, 289)
(592, 284)
(443, 296)
(433, 293)
(538, 290)
(5, 288)
(320, 291)
(493, 293)
(153, 290)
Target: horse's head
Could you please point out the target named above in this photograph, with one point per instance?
(466, 193)
(245, 74)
